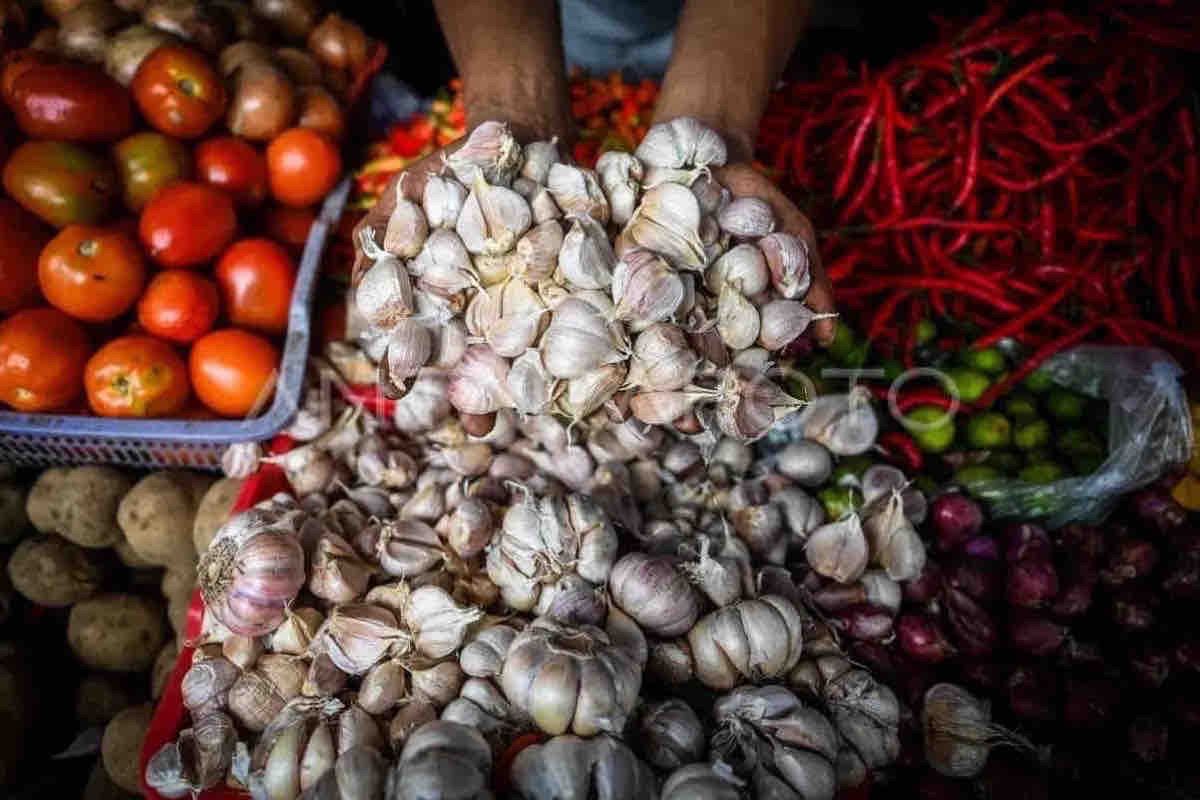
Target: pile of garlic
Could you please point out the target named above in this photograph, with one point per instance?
(647, 603)
(643, 288)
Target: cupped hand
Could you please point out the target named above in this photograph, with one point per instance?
(743, 180)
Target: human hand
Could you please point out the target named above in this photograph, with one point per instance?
(743, 180)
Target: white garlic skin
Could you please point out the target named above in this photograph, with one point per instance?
(655, 593)
(599, 768)
(753, 639)
(747, 218)
(671, 734)
(441, 759)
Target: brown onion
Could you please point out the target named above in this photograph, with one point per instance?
(320, 111)
(263, 104)
(339, 43)
(293, 18)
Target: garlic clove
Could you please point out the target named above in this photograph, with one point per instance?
(645, 289)
(384, 292)
(738, 320)
(478, 382)
(443, 266)
(743, 267)
(490, 152)
(537, 252)
(578, 340)
(409, 348)
(538, 158)
(620, 177)
(788, 261)
(783, 321)
(585, 394)
(442, 201)
(838, 550)
(682, 142)
(492, 219)
(529, 384)
(586, 259)
(577, 192)
(662, 360)
(406, 227)
(747, 218)
(543, 207)
(668, 223)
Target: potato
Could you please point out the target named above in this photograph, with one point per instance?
(164, 664)
(41, 505)
(121, 745)
(50, 571)
(214, 511)
(13, 520)
(157, 515)
(101, 787)
(118, 632)
(101, 695)
(16, 712)
(81, 505)
(129, 556)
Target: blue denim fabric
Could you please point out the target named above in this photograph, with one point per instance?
(630, 36)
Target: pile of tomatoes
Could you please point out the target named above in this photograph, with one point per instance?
(147, 257)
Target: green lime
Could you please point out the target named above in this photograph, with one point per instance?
(892, 369)
(1038, 455)
(971, 383)
(843, 341)
(1079, 442)
(839, 501)
(1087, 463)
(1031, 434)
(976, 474)
(989, 430)
(1005, 460)
(931, 427)
(1065, 405)
(926, 330)
(1039, 382)
(856, 356)
(1021, 405)
(1043, 472)
(989, 360)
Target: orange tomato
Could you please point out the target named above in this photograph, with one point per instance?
(186, 224)
(178, 91)
(289, 226)
(233, 164)
(93, 274)
(22, 237)
(302, 166)
(136, 376)
(42, 355)
(179, 305)
(256, 277)
(233, 371)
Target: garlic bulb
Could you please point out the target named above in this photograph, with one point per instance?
(671, 734)
(682, 143)
(838, 550)
(257, 696)
(442, 759)
(579, 679)
(252, 570)
(384, 293)
(588, 393)
(703, 782)
(356, 637)
(483, 656)
(490, 152)
(578, 340)
(783, 321)
(806, 462)
(537, 252)
(530, 384)
(471, 527)
(412, 714)
(577, 192)
(959, 733)
(542, 539)
(845, 424)
(492, 219)
(662, 360)
(478, 382)
(667, 222)
(438, 624)
(382, 687)
(778, 743)
(197, 760)
(752, 640)
(206, 684)
(409, 547)
(742, 267)
(337, 574)
(438, 684)
(894, 543)
(655, 594)
(538, 158)
(571, 768)
(481, 706)
(360, 772)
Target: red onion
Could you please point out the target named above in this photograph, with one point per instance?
(1090, 703)
(1129, 560)
(1075, 595)
(1086, 542)
(1031, 583)
(1031, 693)
(975, 576)
(922, 639)
(1133, 610)
(984, 674)
(1148, 738)
(1082, 653)
(982, 547)
(956, 518)
(1035, 634)
(880, 659)
(925, 587)
(1157, 507)
(1150, 666)
(800, 348)
(863, 622)
(973, 629)
(1026, 541)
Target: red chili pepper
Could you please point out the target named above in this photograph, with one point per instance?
(1016, 78)
(909, 397)
(1017, 324)
(860, 135)
(901, 450)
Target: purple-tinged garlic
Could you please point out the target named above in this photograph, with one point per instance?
(538, 158)
(806, 462)
(894, 543)
(411, 715)
(959, 732)
(253, 570)
(783, 321)
(747, 218)
(671, 735)
(437, 623)
(408, 349)
(703, 781)
(490, 152)
(586, 394)
(749, 403)
(600, 768)
(384, 293)
(471, 527)
(337, 573)
(358, 636)
(477, 382)
(844, 423)
(788, 261)
(578, 679)
(645, 289)
(205, 686)
(742, 267)
(483, 656)
(838, 550)
(537, 252)
(438, 684)
(756, 639)
(442, 759)
(577, 192)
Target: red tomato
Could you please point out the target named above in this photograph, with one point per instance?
(136, 376)
(70, 102)
(233, 371)
(178, 91)
(179, 305)
(302, 166)
(234, 165)
(289, 225)
(42, 355)
(256, 277)
(22, 237)
(93, 274)
(186, 224)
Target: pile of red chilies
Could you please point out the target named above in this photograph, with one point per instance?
(1032, 178)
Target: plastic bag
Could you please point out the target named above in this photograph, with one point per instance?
(1149, 432)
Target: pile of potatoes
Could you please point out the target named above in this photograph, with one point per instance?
(112, 554)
